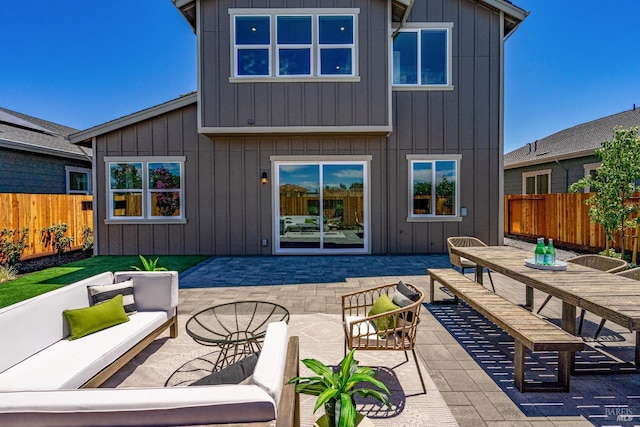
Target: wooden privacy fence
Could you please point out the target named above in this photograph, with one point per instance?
(38, 211)
(564, 217)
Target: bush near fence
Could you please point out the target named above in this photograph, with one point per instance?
(38, 211)
(564, 217)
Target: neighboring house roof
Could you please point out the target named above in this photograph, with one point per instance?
(399, 10)
(86, 135)
(578, 141)
(26, 133)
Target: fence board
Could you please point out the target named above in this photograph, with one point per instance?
(38, 211)
(564, 217)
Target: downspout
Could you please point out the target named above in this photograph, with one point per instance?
(501, 138)
(94, 186)
(566, 176)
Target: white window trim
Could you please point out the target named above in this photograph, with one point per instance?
(588, 167)
(146, 217)
(529, 174)
(68, 170)
(416, 27)
(274, 69)
(413, 158)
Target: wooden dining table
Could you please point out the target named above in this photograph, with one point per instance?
(609, 296)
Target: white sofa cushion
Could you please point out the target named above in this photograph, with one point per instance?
(269, 370)
(69, 364)
(138, 407)
(38, 322)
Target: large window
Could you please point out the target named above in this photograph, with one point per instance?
(422, 57)
(78, 180)
(148, 188)
(433, 183)
(536, 182)
(313, 43)
(321, 205)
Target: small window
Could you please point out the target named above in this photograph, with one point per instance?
(590, 169)
(536, 182)
(271, 43)
(78, 180)
(145, 190)
(422, 57)
(433, 186)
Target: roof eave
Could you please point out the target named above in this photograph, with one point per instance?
(551, 159)
(88, 134)
(188, 10)
(32, 148)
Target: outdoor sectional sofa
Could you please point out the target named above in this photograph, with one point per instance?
(46, 379)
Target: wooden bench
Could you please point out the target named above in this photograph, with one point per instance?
(527, 329)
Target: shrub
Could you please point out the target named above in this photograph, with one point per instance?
(12, 243)
(87, 239)
(7, 273)
(54, 236)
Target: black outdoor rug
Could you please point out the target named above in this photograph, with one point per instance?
(605, 389)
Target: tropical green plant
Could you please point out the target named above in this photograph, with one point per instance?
(148, 265)
(12, 243)
(613, 184)
(55, 237)
(335, 389)
(7, 273)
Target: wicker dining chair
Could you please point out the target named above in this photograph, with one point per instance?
(598, 262)
(634, 274)
(461, 262)
(365, 332)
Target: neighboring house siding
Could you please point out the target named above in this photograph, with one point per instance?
(465, 120)
(25, 172)
(562, 175)
(277, 104)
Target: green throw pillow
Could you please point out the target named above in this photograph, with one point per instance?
(87, 320)
(382, 305)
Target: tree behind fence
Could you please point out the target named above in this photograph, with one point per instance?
(564, 217)
(38, 211)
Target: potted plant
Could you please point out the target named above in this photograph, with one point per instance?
(335, 389)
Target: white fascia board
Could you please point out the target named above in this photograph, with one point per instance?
(32, 148)
(508, 8)
(551, 159)
(131, 119)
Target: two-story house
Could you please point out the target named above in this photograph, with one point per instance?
(322, 127)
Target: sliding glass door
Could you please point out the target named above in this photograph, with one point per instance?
(321, 207)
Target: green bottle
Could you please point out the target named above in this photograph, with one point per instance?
(539, 253)
(550, 254)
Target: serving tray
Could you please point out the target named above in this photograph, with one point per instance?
(558, 266)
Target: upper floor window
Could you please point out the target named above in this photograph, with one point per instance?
(422, 57)
(273, 43)
(78, 180)
(145, 188)
(433, 184)
(536, 182)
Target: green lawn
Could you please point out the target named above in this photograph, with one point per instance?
(33, 284)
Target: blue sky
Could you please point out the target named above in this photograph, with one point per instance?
(83, 63)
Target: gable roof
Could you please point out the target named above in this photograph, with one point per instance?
(84, 137)
(399, 10)
(26, 133)
(578, 141)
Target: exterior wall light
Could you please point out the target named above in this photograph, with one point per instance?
(264, 178)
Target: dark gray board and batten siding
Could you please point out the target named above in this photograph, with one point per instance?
(273, 104)
(228, 211)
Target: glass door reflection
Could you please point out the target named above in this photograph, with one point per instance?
(299, 194)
